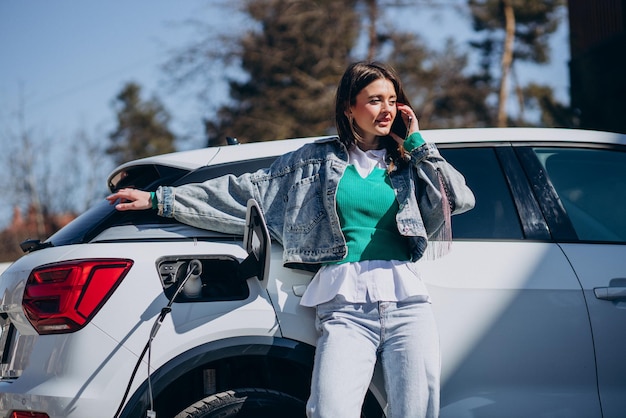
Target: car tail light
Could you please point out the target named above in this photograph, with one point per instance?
(63, 297)
(28, 414)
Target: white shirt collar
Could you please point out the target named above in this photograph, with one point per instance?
(365, 161)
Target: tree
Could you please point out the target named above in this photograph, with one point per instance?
(441, 89)
(283, 70)
(45, 190)
(552, 112)
(26, 168)
(292, 61)
(294, 55)
(142, 127)
(515, 30)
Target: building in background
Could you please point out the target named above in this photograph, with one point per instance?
(598, 63)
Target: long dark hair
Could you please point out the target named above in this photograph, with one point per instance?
(356, 77)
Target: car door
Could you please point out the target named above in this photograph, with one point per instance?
(590, 183)
(515, 334)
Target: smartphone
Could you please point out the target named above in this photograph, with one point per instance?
(398, 126)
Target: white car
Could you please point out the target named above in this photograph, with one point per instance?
(98, 320)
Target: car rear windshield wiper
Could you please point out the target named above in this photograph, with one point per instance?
(31, 245)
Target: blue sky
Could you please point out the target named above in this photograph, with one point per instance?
(65, 60)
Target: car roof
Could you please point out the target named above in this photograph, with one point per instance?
(193, 159)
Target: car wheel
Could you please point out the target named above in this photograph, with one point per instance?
(246, 403)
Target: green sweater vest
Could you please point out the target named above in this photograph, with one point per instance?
(367, 210)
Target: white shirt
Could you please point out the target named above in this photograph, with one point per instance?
(368, 280)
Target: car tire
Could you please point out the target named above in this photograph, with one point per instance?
(246, 403)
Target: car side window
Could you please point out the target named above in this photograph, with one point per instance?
(494, 216)
(591, 184)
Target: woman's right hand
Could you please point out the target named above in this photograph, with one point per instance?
(130, 199)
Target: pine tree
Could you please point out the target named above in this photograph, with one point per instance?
(514, 30)
(293, 58)
(293, 62)
(142, 129)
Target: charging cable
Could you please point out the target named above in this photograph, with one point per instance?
(194, 268)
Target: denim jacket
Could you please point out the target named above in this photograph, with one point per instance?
(297, 197)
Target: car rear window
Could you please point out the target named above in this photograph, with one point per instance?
(103, 215)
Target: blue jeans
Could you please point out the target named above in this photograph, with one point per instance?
(402, 335)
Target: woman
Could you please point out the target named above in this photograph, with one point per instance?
(362, 207)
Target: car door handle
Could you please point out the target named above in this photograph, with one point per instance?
(610, 293)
